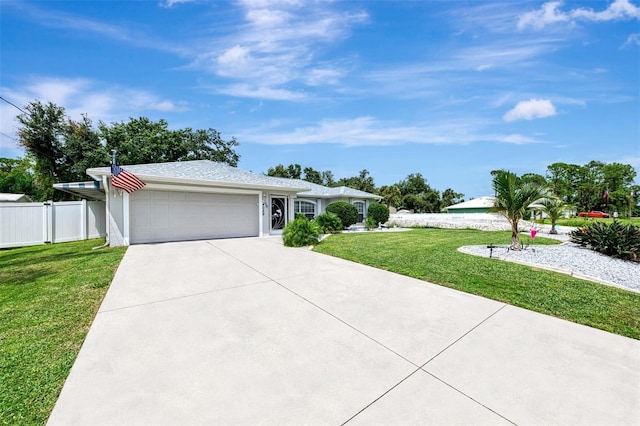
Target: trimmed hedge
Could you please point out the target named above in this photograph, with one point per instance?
(346, 212)
(379, 213)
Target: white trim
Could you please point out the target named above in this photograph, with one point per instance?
(181, 188)
(125, 217)
(260, 215)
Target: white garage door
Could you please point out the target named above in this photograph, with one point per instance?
(158, 216)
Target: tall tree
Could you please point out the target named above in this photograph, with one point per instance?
(41, 134)
(141, 141)
(313, 176)
(295, 171)
(415, 183)
(278, 171)
(362, 182)
(513, 196)
(450, 197)
(328, 179)
(16, 177)
(82, 149)
(534, 178)
(391, 195)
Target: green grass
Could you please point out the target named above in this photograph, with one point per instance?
(49, 296)
(431, 255)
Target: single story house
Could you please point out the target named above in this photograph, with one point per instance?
(477, 205)
(202, 199)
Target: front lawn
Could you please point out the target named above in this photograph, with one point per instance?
(431, 255)
(49, 296)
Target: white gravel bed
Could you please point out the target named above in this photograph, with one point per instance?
(571, 259)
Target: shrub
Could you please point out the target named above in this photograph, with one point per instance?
(370, 223)
(615, 239)
(300, 232)
(379, 213)
(300, 216)
(329, 223)
(347, 213)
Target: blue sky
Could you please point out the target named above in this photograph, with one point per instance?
(449, 89)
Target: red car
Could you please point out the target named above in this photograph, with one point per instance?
(594, 213)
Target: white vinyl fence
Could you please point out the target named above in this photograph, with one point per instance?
(26, 224)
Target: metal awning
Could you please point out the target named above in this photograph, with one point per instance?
(91, 190)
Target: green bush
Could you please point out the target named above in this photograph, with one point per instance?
(370, 223)
(614, 239)
(347, 213)
(300, 232)
(329, 223)
(300, 216)
(379, 213)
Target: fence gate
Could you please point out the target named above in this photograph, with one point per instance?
(25, 224)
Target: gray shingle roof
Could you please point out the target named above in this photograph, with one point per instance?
(207, 172)
(321, 191)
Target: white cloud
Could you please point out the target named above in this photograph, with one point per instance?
(261, 92)
(618, 10)
(528, 110)
(547, 14)
(322, 76)
(632, 40)
(79, 24)
(79, 96)
(275, 47)
(369, 131)
(550, 13)
(171, 3)
(516, 139)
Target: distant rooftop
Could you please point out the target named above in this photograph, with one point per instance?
(13, 198)
(476, 203)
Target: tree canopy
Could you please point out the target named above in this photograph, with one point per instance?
(62, 149)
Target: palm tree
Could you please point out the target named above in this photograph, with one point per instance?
(513, 196)
(554, 207)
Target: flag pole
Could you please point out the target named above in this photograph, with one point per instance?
(113, 156)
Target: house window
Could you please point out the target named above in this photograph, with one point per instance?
(307, 208)
(360, 206)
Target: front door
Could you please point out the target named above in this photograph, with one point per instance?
(278, 213)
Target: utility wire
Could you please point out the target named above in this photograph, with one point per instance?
(13, 105)
(10, 137)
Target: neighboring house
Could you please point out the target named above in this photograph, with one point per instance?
(201, 199)
(477, 205)
(483, 204)
(14, 198)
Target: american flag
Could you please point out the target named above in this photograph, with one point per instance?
(125, 180)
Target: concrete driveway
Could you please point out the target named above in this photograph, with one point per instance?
(246, 331)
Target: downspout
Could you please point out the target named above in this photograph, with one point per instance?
(107, 218)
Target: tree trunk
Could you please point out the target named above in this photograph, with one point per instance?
(515, 238)
(553, 227)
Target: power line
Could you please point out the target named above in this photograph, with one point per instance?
(10, 137)
(13, 105)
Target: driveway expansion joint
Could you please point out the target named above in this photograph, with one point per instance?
(184, 296)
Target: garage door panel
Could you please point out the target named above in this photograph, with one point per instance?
(158, 216)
